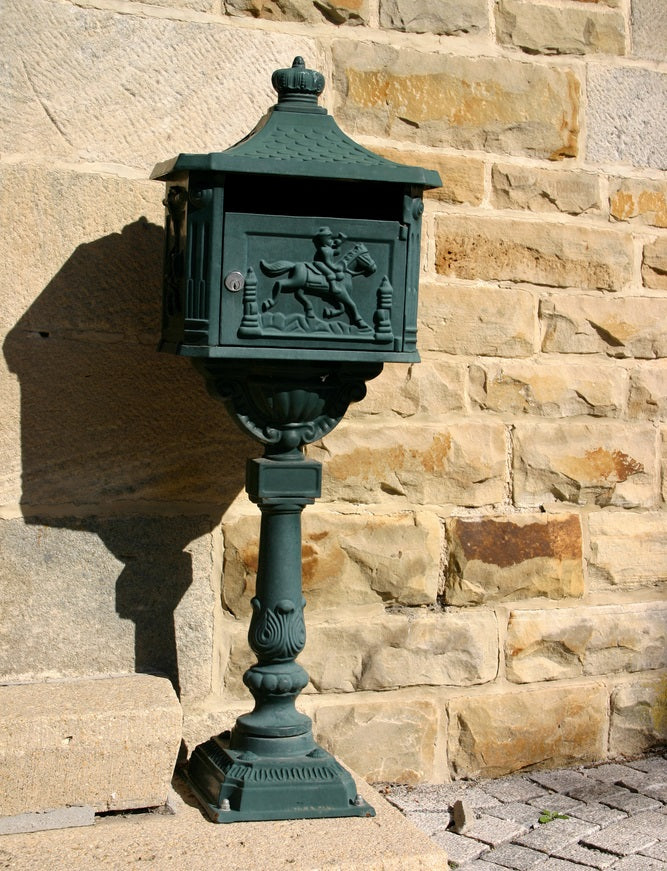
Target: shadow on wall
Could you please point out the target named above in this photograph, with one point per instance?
(122, 442)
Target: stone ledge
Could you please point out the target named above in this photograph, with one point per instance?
(109, 743)
(387, 842)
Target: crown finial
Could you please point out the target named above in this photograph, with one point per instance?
(297, 86)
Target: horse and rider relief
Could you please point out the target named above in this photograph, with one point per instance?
(329, 277)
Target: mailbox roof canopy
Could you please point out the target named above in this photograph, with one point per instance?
(298, 138)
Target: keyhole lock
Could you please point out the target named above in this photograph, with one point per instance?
(234, 281)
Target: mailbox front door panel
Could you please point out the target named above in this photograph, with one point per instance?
(312, 283)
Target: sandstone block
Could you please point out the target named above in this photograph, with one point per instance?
(348, 559)
(489, 104)
(626, 116)
(110, 257)
(434, 16)
(494, 559)
(648, 391)
(566, 30)
(334, 11)
(387, 738)
(109, 743)
(104, 422)
(536, 190)
(103, 596)
(640, 200)
(197, 5)
(366, 648)
(627, 327)
(431, 388)
(557, 255)
(663, 462)
(654, 265)
(462, 177)
(628, 550)
(129, 104)
(548, 389)
(638, 716)
(477, 321)
(499, 733)
(403, 650)
(649, 29)
(601, 463)
(462, 463)
(574, 642)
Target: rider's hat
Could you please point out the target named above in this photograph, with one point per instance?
(322, 234)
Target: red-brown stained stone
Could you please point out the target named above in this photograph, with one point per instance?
(495, 559)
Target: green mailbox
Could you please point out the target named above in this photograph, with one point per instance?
(291, 274)
(296, 241)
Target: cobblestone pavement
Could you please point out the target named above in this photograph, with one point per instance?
(611, 817)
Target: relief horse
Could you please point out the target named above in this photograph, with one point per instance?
(303, 279)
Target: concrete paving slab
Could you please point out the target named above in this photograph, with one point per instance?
(628, 836)
(516, 857)
(188, 840)
(556, 834)
(586, 856)
(59, 818)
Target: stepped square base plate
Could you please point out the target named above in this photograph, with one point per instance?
(237, 785)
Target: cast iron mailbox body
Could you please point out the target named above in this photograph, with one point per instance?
(296, 240)
(291, 276)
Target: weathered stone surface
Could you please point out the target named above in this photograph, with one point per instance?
(462, 177)
(628, 550)
(92, 414)
(663, 461)
(110, 743)
(347, 559)
(626, 116)
(654, 264)
(627, 327)
(197, 5)
(491, 104)
(463, 463)
(649, 29)
(104, 596)
(104, 422)
(648, 391)
(498, 733)
(392, 737)
(434, 16)
(600, 463)
(638, 716)
(556, 644)
(477, 320)
(537, 190)
(563, 30)
(110, 256)
(497, 559)
(366, 648)
(402, 650)
(548, 388)
(558, 255)
(432, 387)
(640, 200)
(141, 90)
(310, 11)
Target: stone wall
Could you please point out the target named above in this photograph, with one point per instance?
(485, 572)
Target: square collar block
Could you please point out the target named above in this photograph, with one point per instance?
(297, 242)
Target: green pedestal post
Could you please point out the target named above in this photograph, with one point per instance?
(269, 767)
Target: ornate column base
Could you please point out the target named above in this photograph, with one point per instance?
(239, 785)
